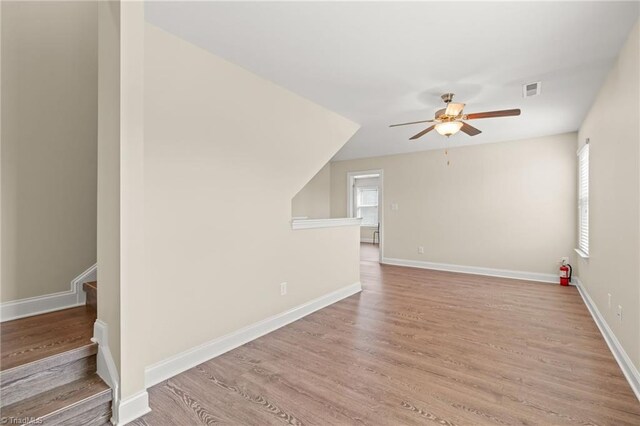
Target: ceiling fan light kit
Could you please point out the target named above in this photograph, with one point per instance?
(449, 120)
(448, 128)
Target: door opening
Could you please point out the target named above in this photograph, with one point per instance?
(365, 200)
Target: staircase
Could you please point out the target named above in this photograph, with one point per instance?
(48, 369)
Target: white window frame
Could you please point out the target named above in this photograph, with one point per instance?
(583, 202)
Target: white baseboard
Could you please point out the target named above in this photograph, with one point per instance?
(626, 365)
(174, 365)
(131, 408)
(106, 366)
(476, 270)
(73, 297)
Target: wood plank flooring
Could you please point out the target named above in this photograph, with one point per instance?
(415, 347)
(29, 339)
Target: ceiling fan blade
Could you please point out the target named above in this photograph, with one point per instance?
(454, 109)
(413, 122)
(470, 130)
(491, 114)
(422, 133)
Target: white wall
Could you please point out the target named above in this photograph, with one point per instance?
(507, 205)
(217, 246)
(49, 145)
(313, 200)
(613, 267)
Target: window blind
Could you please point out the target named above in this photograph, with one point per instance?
(583, 200)
(367, 205)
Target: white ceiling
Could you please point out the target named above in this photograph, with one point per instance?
(383, 63)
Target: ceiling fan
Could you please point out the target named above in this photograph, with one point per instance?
(449, 120)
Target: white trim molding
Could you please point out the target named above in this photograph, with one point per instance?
(325, 223)
(476, 270)
(629, 370)
(176, 364)
(106, 366)
(125, 410)
(131, 408)
(73, 297)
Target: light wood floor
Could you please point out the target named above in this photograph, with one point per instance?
(415, 347)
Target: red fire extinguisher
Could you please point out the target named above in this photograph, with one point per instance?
(565, 273)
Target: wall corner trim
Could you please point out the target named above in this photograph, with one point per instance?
(176, 364)
(475, 270)
(73, 297)
(106, 366)
(629, 370)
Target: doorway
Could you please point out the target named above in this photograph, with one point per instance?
(365, 200)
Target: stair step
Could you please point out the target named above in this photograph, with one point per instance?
(61, 404)
(27, 380)
(98, 416)
(91, 288)
(30, 339)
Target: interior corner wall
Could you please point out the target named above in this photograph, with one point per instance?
(49, 145)
(217, 244)
(313, 200)
(613, 266)
(108, 240)
(508, 205)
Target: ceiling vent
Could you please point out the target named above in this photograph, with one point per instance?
(531, 89)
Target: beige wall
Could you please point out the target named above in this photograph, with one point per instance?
(49, 146)
(217, 245)
(506, 205)
(313, 200)
(108, 229)
(614, 198)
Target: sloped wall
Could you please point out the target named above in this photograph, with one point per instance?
(223, 158)
(313, 200)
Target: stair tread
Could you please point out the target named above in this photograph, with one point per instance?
(26, 340)
(90, 390)
(20, 371)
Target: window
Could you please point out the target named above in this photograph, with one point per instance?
(364, 193)
(583, 201)
(367, 205)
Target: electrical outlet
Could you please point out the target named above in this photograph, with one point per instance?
(283, 289)
(619, 314)
(421, 250)
(609, 300)
(394, 206)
